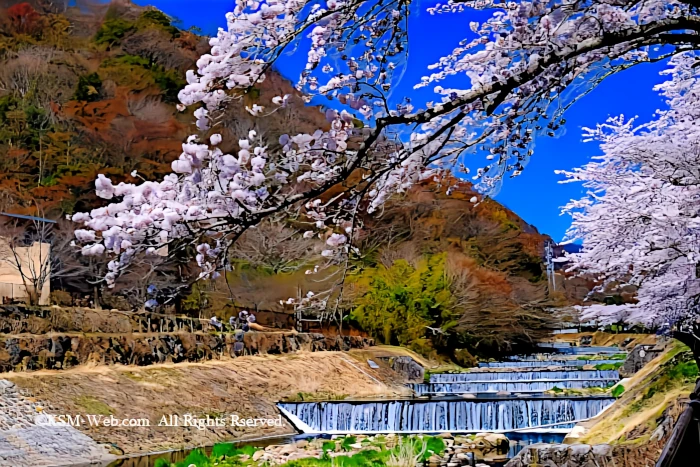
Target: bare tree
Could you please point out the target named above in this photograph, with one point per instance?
(276, 247)
(39, 250)
(489, 311)
(404, 250)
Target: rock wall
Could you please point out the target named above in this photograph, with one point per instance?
(563, 455)
(17, 319)
(60, 351)
(407, 367)
(21, 319)
(638, 357)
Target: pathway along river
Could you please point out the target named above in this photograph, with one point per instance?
(508, 397)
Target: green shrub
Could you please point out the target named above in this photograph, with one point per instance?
(133, 70)
(223, 449)
(246, 450)
(328, 446)
(609, 366)
(684, 370)
(159, 19)
(88, 88)
(400, 302)
(196, 457)
(618, 391)
(169, 81)
(434, 445)
(113, 30)
(156, 17)
(347, 441)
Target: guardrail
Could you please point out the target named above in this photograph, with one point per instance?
(683, 447)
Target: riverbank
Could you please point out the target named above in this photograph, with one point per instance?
(247, 387)
(640, 421)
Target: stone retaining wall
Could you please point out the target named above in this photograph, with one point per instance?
(638, 357)
(563, 455)
(59, 351)
(17, 319)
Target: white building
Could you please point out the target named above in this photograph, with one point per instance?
(23, 267)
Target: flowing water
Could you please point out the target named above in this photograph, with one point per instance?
(563, 348)
(543, 363)
(513, 376)
(508, 386)
(451, 414)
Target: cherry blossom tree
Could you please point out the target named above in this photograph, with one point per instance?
(639, 220)
(511, 79)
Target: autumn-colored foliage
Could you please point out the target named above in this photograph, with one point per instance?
(438, 273)
(24, 18)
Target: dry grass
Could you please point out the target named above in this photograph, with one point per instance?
(395, 351)
(606, 339)
(621, 419)
(248, 386)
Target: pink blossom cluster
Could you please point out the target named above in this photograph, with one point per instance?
(640, 217)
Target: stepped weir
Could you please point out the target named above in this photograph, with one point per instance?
(505, 376)
(453, 415)
(509, 386)
(509, 397)
(544, 363)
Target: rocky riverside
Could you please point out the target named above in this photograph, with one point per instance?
(60, 351)
(407, 366)
(25, 442)
(454, 451)
(563, 455)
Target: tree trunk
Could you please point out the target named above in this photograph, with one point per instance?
(689, 339)
(96, 297)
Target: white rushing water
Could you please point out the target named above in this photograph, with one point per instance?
(514, 376)
(543, 363)
(565, 348)
(497, 386)
(436, 416)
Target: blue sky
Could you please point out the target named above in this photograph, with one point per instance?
(535, 195)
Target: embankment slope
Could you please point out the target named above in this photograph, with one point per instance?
(638, 424)
(247, 386)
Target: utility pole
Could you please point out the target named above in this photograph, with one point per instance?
(549, 260)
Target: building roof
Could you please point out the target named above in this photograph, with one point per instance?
(29, 218)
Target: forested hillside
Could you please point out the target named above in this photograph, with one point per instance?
(93, 89)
